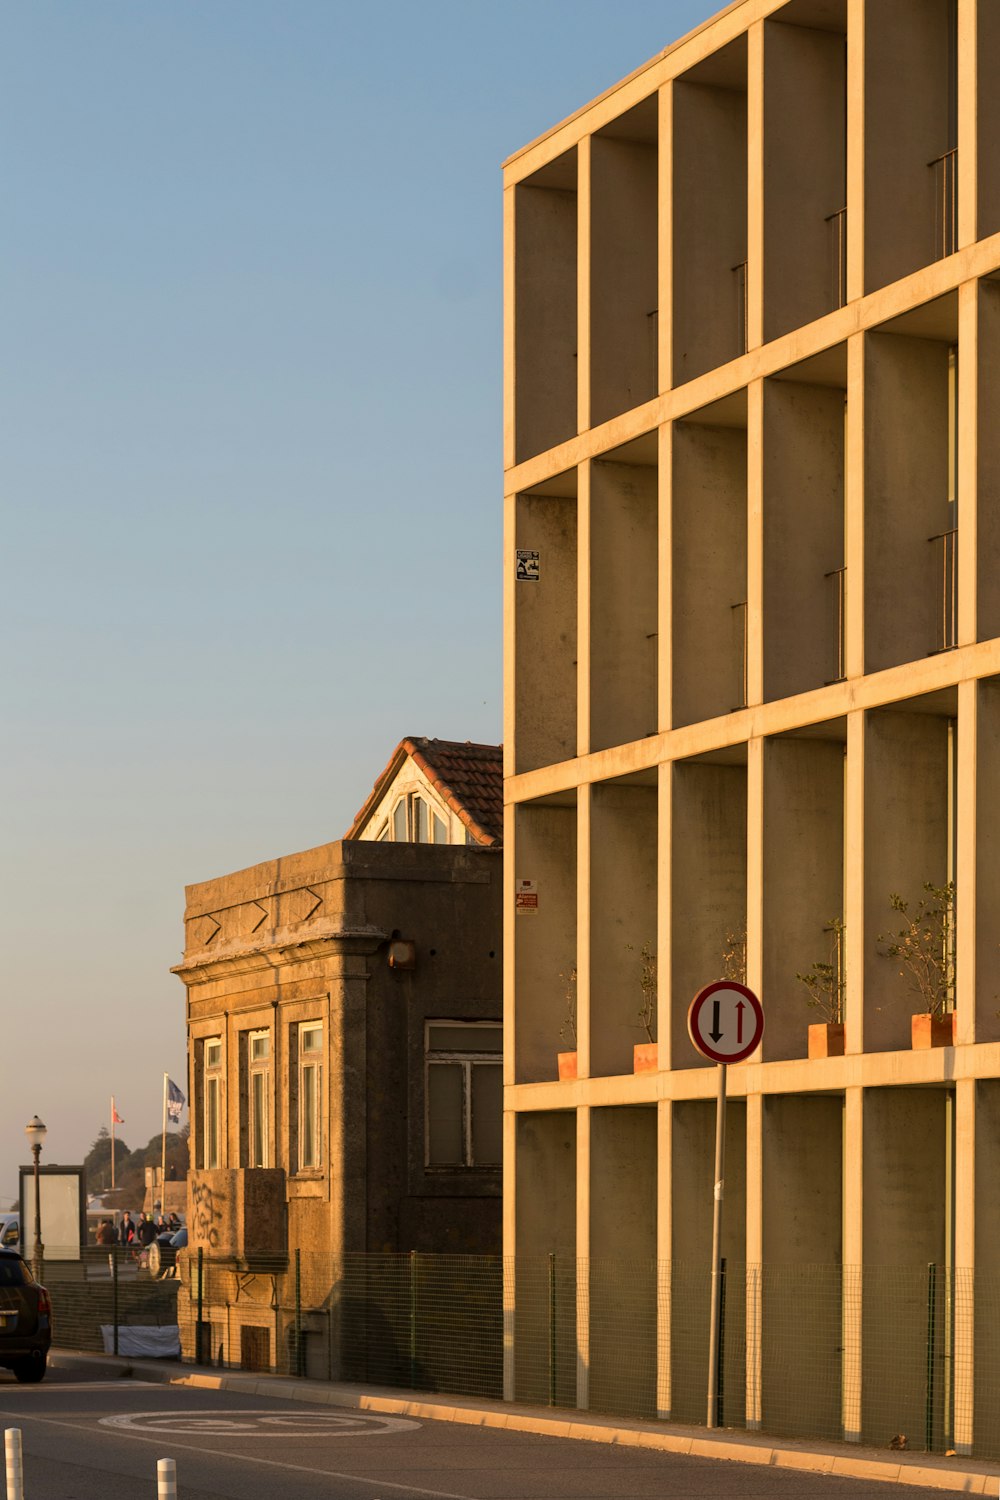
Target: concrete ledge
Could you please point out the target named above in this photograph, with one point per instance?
(959, 1475)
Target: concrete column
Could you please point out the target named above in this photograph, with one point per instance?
(665, 229)
(509, 1233)
(986, 1263)
(664, 574)
(755, 1258)
(855, 149)
(666, 1000)
(755, 871)
(755, 185)
(964, 1264)
(968, 460)
(584, 957)
(856, 935)
(583, 606)
(584, 223)
(509, 451)
(755, 625)
(853, 1261)
(584, 1252)
(966, 866)
(664, 1255)
(854, 507)
(987, 105)
(986, 393)
(968, 132)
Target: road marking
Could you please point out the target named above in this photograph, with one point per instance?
(250, 1458)
(225, 1422)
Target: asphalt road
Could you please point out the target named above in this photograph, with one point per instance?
(89, 1438)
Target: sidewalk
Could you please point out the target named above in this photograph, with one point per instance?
(966, 1476)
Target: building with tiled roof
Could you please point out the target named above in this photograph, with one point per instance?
(436, 792)
(344, 1043)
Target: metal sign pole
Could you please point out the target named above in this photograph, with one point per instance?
(720, 1173)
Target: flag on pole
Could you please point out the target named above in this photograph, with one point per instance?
(116, 1118)
(175, 1100)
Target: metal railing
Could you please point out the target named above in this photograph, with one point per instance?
(839, 222)
(839, 575)
(949, 588)
(945, 168)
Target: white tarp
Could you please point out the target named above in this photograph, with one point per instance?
(143, 1342)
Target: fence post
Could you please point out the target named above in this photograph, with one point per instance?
(413, 1320)
(552, 1328)
(298, 1311)
(15, 1470)
(199, 1338)
(114, 1298)
(931, 1321)
(166, 1479)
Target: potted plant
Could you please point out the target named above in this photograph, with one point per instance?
(567, 1060)
(645, 1056)
(924, 949)
(824, 985)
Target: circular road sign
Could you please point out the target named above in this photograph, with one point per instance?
(726, 1021)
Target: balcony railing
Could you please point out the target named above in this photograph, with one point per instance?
(948, 541)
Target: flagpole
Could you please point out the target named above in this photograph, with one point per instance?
(112, 1142)
(163, 1158)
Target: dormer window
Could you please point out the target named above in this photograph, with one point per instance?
(414, 821)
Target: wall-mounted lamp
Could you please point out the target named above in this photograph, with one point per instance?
(402, 954)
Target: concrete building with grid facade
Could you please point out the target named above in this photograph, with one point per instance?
(752, 601)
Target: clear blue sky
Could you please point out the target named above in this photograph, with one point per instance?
(251, 475)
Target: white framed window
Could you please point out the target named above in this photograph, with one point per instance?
(310, 1122)
(259, 1078)
(463, 1094)
(414, 821)
(212, 1108)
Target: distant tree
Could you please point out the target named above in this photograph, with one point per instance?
(98, 1161)
(131, 1178)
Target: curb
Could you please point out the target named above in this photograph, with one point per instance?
(833, 1459)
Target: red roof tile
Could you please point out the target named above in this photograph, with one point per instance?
(468, 777)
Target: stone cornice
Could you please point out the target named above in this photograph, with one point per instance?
(278, 949)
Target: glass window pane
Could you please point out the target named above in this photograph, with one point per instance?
(440, 830)
(445, 1131)
(310, 1038)
(213, 1054)
(487, 1114)
(442, 1037)
(422, 820)
(258, 1119)
(260, 1047)
(399, 822)
(212, 1122)
(310, 1120)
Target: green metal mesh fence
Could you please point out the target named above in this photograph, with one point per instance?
(904, 1355)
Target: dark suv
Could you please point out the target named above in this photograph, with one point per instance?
(25, 1319)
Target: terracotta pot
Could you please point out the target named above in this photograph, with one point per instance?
(645, 1057)
(567, 1065)
(928, 1031)
(826, 1039)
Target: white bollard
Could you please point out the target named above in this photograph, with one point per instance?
(166, 1479)
(15, 1470)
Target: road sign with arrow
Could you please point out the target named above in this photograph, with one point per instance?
(726, 1021)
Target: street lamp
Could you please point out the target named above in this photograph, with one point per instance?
(36, 1133)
